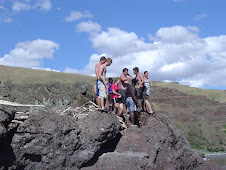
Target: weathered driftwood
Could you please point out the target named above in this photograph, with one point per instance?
(21, 117)
(17, 121)
(3, 102)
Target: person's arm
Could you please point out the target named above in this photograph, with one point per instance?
(124, 78)
(100, 74)
(95, 89)
(151, 84)
(114, 92)
(97, 71)
(131, 77)
(141, 80)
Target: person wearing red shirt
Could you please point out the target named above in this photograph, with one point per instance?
(117, 98)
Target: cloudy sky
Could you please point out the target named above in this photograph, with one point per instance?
(182, 41)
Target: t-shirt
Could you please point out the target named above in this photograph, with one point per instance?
(116, 88)
(110, 89)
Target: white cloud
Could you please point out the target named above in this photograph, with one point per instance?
(70, 70)
(30, 53)
(88, 26)
(28, 5)
(77, 15)
(43, 5)
(200, 16)
(117, 42)
(177, 54)
(176, 34)
(46, 69)
(20, 6)
(2, 7)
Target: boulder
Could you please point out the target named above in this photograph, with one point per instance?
(7, 157)
(156, 145)
(52, 141)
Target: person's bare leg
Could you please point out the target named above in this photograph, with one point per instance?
(98, 102)
(105, 103)
(143, 105)
(132, 114)
(121, 108)
(116, 108)
(102, 103)
(148, 106)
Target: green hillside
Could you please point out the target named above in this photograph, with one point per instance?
(218, 95)
(19, 75)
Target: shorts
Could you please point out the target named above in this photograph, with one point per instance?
(141, 93)
(122, 92)
(97, 89)
(131, 104)
(103, 90)
(117, 100)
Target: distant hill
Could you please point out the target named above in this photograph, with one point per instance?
(200, 113)
(218, 95)
(19, 75)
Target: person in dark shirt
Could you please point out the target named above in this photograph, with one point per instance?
(132, 101)
(110, 100)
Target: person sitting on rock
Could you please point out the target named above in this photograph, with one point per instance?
(110, 94)
(117, 98)
(132, 101)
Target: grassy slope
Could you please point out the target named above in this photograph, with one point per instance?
(218, 95)
(21, 75)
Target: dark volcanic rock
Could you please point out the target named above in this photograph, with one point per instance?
(48, 140)
(7, 157)
(51, 141)
(157, 145)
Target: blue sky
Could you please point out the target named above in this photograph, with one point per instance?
(175, 40)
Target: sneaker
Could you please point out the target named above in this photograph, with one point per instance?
(152, 114)
(133, 126)
(120, 118)
(105, 110)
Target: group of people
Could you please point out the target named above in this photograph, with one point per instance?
(120, 92)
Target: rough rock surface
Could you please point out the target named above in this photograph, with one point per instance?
(6, 132)
(156, 145)
(76, 93)
(51, 141)
(48, 140)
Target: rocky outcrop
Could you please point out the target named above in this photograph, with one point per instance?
(7, 157)
(48, 140)
(75, 93)
(156, 145)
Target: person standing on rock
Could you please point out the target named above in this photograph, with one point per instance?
(124, 81)
(147, 85)
(110, 94)
(97, 69)
(102, 84)
(132, 101)
(140, 88)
